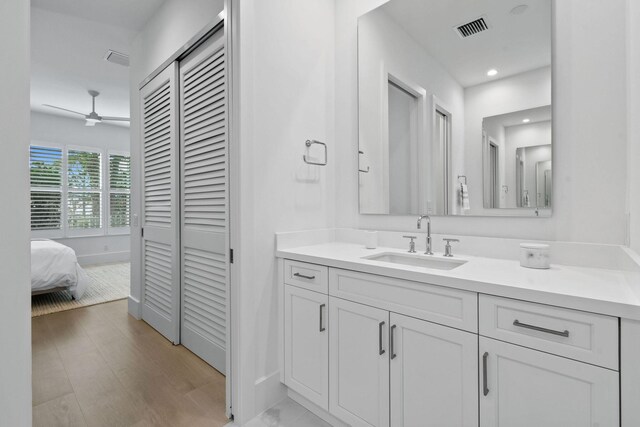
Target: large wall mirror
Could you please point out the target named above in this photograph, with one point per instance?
(455, 114)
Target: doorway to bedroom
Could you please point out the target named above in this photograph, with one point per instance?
(105, 195)
(80, 164)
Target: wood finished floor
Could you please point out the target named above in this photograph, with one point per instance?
(98, 366)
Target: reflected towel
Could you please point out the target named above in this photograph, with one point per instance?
(464, 197)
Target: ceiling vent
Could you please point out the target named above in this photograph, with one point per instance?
(117, 58)
(472, 28)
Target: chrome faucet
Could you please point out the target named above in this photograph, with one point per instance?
(428, 251)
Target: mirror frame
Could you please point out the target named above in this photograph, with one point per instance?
(507, 212)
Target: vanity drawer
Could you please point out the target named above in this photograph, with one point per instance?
(437, 304)
(309, 276)
(588, 337)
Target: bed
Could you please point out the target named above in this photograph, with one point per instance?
(54, 267)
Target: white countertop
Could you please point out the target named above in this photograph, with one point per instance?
(611, 292)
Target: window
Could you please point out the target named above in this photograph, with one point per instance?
(45, 164)
(84, 190)
(79, 191)
(119, 190)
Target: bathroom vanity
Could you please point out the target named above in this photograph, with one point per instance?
(369, 338)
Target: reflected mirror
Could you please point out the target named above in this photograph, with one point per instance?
(455, 114)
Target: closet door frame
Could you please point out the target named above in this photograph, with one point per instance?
(227, 21)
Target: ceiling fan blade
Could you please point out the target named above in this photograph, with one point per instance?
(64, 109)
(116, 119)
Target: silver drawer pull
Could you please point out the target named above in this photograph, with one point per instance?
(519, 324)
(391, 337)
(322, 328)
(485, 387)
(380, 349)
(303, 276)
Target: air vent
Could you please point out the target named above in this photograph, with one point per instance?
(117, 58)
(472, 28)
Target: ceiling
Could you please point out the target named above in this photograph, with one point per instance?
(535, 115)
(513, 44)
(69, 39)
(128, 14)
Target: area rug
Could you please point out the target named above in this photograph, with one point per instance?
(108, 282)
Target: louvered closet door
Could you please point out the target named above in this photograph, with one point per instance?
(160, 247)
(204, 194)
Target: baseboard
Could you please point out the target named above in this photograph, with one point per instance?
(134, 307)
(104, 258)
(268, 391)
(313, 408)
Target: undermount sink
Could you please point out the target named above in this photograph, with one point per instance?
(417, 260)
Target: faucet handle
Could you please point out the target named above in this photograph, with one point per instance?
(412, 244)
(447, 249)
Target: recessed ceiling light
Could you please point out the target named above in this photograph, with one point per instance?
(519, 10)
(526, 120)
(492, 72)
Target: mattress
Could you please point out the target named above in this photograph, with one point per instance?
(55, 265)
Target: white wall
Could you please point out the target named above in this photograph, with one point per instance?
(15, 306)
(67, 131)
(590, 130)
(172, 26)
(286, 82)
(388, 48)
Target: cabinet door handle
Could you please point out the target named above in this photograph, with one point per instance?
(303, 276)
(519, 324)
(391, 338)
(322, 328)
(485, 388)
(380, 349)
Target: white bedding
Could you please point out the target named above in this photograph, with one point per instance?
(54, 265)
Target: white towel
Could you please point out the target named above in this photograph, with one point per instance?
(464, 197)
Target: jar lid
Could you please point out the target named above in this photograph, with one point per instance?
(534, 245)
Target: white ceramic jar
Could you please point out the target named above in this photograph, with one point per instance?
(534, 255)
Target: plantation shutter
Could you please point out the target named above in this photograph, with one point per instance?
(161, 278)
(204, 215)
(45, 168)
(119, 190)
(84, 189)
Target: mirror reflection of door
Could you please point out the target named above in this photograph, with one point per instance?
(520, 190)
(494, 177)
(437, 195)
(403, 144)
(543, 183)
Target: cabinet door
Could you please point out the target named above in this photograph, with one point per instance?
(434, 374)
(527, 388)
(358, 364)
(306, 344)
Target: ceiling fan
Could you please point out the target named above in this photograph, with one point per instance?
(92, 118)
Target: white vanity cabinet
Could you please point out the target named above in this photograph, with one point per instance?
(390, 369)
(528, 388)
(546, 366)
(377, 351)
(306, 344)
(434, 374)
(358, 363)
